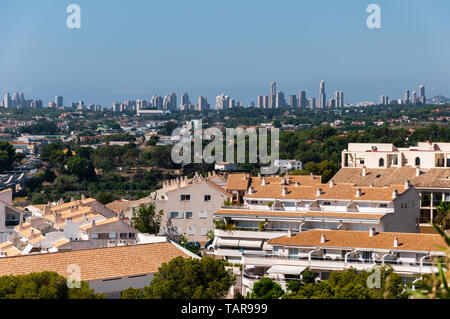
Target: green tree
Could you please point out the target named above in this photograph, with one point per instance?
(266, 288)
(442, 218)
(187, 278)
(146, 219)
(7, 154)
(131, 293)
(104, 197)
(44, 285)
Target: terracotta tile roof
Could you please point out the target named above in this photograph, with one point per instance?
(102, 222)
(123, 205)
(299, 215)
(338, 191)
(218, 188)
(100, 263)
(237, 182)
(362, 240)
(60, 242)
(433, 177)
(13, 251)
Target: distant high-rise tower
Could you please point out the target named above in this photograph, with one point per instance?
(414, 97)
(384, 100)
(422, 97)
(302, 101)
(202, 104)
(406, 97)
(59, 101)
(266, 101)
(312, 102)
(185, 100)
(322, 95)
(7, 100)
(280, 101)
(222, 102)
(260, 101)
(273, 95)
(293, 101)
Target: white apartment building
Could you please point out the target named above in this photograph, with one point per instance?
(426, 166)
(379, 155)
(324, 251)
(272, 206)
(287, 165)
(189, 205)
(10, 216)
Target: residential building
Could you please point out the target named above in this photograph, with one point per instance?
(426, 166)
(322, 95)
(277, 204)
(303, 101)
(189, 205)
(10, 216)
(106, 270)
(325, 251)
(287, 165)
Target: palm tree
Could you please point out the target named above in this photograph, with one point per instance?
(442, 217)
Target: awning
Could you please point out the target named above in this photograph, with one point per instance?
(286, 270)
(250, 243)
(222, 242)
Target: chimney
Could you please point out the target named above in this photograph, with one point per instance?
(319, 192)
(394, 194)
(263, 181)
(358, 192)
(371, 185)
(297, 184)
(32, 233)
(407, 184)
(396, 242)
(311, 175)
(322, 239)
(372, 232)
(364, 173)
(93, 223)
(245, 176)
(417, 171)
(250, 190)
(72, 199)
(331, 183)
(289, 234)
(259, 175)
(47, 210)
(284, 191)
(83, 197)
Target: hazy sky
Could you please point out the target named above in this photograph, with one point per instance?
(137, 48)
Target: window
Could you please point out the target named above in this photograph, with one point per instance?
(112, 235)
(204, 231)
(191, 230)
(207, 198)
(326, 203)
(202, 214)
(293, 253)
(381, 162)
(132, 235)
(383, 205)
(189, 215)
(417, 161)
(123, 235)
(275, 251)
(173, 214)
(185, 197)
(361, 162)
(94, 235)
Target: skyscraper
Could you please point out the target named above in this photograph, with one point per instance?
(260, 101)
(322, 95)
(406, 97)
(266, 101)
(185, 101)
(7, 100)
(59, 101)
(414, 96)
(222, 102)
(293, 101)
(302, 101)
(280, 101)
(312, 102)
(202, 103)
(384, 100)
(273, 95)
(422, 97)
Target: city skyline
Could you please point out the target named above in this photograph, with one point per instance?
(105, 61)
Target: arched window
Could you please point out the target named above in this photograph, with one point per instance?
(381, 162)
(417, 161)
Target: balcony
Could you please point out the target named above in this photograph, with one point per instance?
(337, 264)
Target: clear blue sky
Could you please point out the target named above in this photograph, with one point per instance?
(137, 48)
